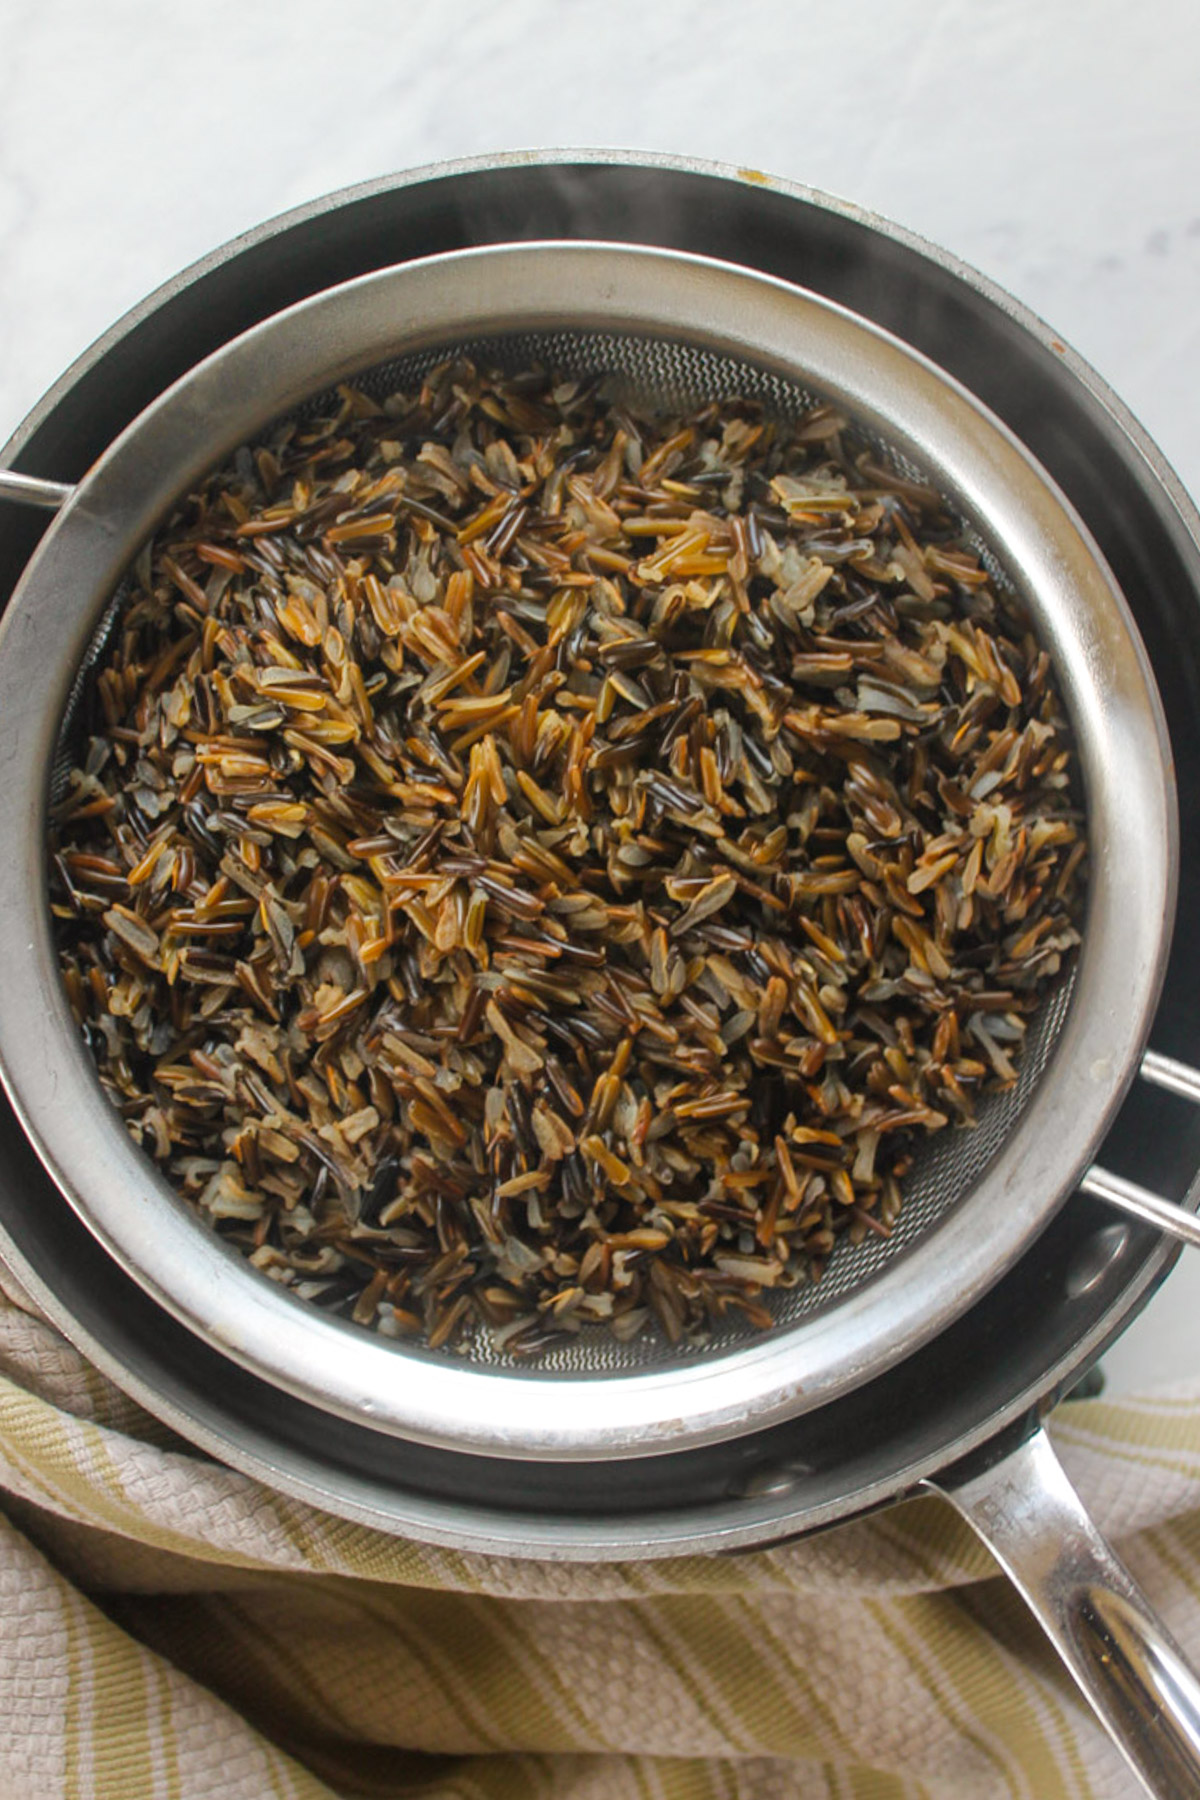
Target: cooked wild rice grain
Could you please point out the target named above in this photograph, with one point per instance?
(530, 864)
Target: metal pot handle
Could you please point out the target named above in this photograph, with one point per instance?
(1130, 1670)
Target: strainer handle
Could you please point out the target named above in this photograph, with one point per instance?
(1176, 1077)
(1131, 1671)
(1165, 1215)
(31, 490)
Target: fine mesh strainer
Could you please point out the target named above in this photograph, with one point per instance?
(652, 374)
(672, 331)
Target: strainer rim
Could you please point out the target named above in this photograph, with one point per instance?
(672, 1409)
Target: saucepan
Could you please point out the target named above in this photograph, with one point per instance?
(659, 1425)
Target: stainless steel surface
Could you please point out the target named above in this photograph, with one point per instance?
(1173, 1076)
(1077, 1285)
(1023, 1342)
(1130, 1197)
(31, 490)
(1072, 1290)
(1140, 1203)
(1126, 1664)
(638, 300)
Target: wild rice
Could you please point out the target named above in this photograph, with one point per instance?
(530, 864)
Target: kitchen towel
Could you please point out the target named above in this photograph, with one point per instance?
(173, 1630)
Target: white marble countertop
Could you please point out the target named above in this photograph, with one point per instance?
(1055, 144)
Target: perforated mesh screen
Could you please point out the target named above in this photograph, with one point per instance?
(661, 373)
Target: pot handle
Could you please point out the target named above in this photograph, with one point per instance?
(31, 490)
(1130, 1670)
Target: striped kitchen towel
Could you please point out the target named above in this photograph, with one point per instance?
(171, 1629)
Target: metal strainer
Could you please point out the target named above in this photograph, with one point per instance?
(670, 331)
